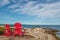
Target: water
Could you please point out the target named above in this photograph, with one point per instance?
(57, 27)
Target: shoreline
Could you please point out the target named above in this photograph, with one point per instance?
(43, 32)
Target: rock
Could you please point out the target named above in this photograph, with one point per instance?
(40, 33)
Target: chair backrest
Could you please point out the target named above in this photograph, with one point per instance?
(7, 26)
(7, 30)
(18, 29)
(17, 25)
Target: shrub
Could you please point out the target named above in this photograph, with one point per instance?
(1, 30)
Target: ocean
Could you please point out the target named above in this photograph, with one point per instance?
(57, 27)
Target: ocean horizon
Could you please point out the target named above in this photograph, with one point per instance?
(57, 27)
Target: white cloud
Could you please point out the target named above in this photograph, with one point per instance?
(42, 11)
(7, 17)
(13, 6)
(4, 2)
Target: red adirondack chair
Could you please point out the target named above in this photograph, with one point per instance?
(18, 29)
(7, 30)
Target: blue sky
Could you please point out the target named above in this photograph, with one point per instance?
(43, 12)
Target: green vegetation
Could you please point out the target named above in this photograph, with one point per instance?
(1, 30)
